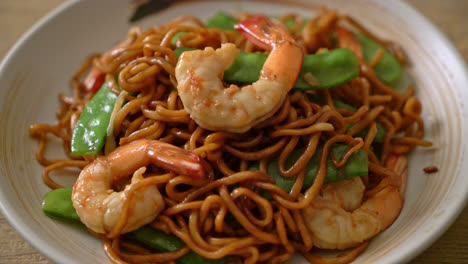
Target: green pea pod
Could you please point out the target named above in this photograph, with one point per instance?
(58, 203)
(246, 68)
(388, 69)
(89, 134)
(156, 239)
(161, 241)
(222, 21)
(329, 68)
(357, 165)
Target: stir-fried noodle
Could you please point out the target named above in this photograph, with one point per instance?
(226, 213)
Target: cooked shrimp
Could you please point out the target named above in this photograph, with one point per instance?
(347, 194)
(333, 227)
(99, 206)
(234, 109)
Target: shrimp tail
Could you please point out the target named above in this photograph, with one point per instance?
(386, 205)
(178, 160)
(267, 34)
(142, 152)
(262, 31)
(399, 165)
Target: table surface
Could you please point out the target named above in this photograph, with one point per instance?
(451, 16)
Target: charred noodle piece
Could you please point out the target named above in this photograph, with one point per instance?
(355, 167)
(89, 134)
(58, 203)
(388, 69)
(329, 68)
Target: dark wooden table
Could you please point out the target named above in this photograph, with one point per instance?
(451, 16)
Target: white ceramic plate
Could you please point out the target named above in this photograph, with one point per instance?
(40, 65)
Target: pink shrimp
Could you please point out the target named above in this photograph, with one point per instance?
(99, 206)
(333, 227)
(234, 109)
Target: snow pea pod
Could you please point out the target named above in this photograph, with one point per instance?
(329, 68)
(58, 203)
(89, 134)
(357, 165)
(388, 69)
(161, 241)
(222, 21)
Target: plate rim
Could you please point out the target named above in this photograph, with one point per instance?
(54, 254)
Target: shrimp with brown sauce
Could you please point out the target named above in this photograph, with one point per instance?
(235, 109)
(99, 206)
(334, 226)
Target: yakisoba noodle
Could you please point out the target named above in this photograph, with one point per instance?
(201, 211)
